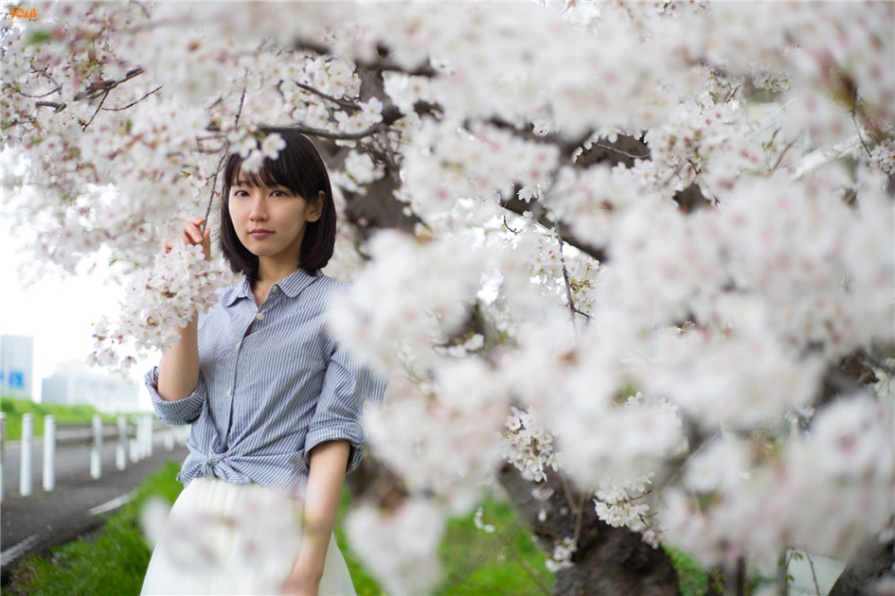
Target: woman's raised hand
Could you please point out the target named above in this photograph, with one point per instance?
(194, 235)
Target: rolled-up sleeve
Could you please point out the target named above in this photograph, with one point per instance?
(181, 411)
(347, 387)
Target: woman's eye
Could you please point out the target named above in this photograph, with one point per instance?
(239, 193)
(278, 193)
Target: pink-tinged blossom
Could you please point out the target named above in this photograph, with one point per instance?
(462, 411)
(882, 157)
(528, 446)
(503, 339)
(401, 330)
(561, 557)
(399, 546)
(272, 145)
(181, 283)
(842, 471)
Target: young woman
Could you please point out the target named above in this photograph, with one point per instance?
(273, 402)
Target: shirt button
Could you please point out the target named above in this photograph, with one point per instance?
(259, 316)
(229, 391)
(239, 343)
(275, 289)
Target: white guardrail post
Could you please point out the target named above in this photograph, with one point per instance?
(49, 452)
(27, 454)
(141, 438)
(121, 448)
(96, 453)
(2, 450)
(134, 442)
(138, 438)
(149, 434)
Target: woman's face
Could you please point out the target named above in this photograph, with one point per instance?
(270, 220)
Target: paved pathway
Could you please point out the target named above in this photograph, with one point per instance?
(45, 519)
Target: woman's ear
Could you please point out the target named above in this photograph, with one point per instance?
(315, 209)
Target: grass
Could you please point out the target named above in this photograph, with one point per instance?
(112, 563)
(692, 577)
(474, 562)
(506, 561)
(16, 408)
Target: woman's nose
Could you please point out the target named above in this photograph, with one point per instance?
(259, 210)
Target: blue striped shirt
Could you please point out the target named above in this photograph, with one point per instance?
(272, 385)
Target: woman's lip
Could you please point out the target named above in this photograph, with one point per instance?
(260, 233)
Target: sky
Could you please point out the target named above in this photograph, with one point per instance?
(58, 310)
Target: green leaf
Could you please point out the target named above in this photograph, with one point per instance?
(37, 36)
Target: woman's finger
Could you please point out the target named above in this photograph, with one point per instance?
(191, 233)
(206, 243)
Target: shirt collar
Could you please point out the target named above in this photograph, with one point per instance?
(242, 290)
(291, 285)
(296, 282)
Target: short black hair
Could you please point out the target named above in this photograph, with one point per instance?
(299, 168)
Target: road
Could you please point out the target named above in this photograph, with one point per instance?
(75, 507)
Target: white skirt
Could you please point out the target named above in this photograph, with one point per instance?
(223, 538)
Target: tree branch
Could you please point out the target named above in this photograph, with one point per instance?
(135, 102)
(860, 137)
(348, 105)
(519, 207)
(242, 99)
(57, 107)
(103, 87)
(214, 182)
(326, 134)
(565, 276)
(96, 111)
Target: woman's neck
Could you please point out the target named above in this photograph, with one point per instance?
(269, 274)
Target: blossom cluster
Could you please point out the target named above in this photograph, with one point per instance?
(528, 446)
(264, 531)
(883, 157)
(161, 301)
(561, 557)
(846, 458)
(727, 265)
(398, 545)
(477, 521)
(404, 329)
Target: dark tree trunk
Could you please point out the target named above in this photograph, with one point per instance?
(609, 560)
(868, 565)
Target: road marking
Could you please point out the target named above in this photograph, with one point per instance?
(13, 553)
(113, 504)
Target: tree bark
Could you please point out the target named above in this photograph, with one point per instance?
(608, 560)
(868, 565)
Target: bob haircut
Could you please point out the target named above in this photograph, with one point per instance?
(299, 168)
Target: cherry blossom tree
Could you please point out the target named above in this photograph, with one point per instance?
(632, 261)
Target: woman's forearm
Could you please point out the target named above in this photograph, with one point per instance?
(329, 461)
(178, 372)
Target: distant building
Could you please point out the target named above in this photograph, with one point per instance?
(75, 382)
(16, 366)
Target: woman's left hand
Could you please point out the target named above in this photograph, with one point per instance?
(300, 584)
